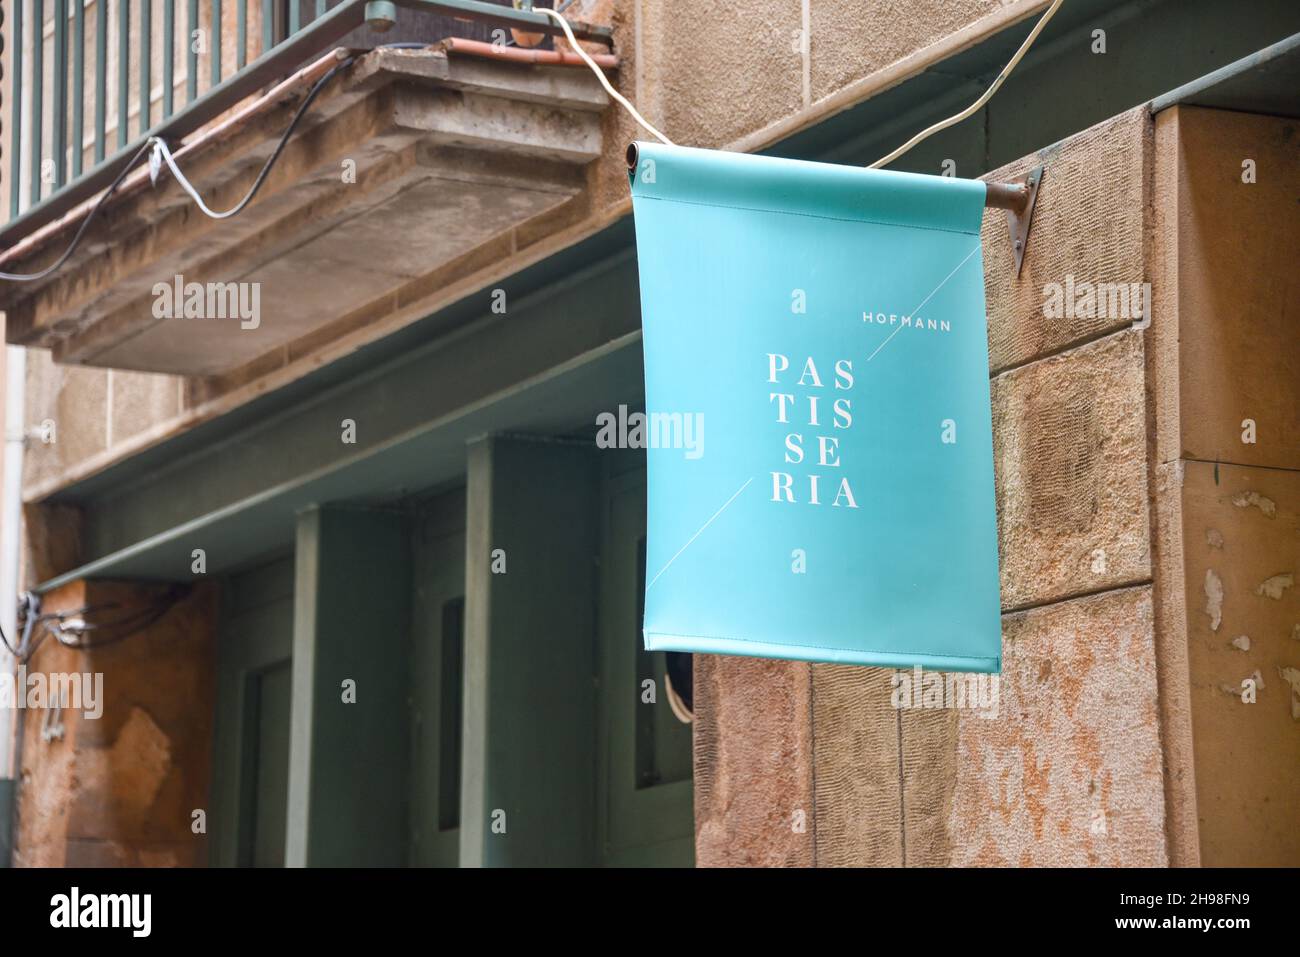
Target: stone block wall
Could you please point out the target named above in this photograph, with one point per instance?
(1070, 769)
(121, 789)
(1149, 708)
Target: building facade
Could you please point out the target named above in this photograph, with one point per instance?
(316, 491)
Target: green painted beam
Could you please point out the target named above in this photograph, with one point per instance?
(554, 402)
(1264, 82)
(482, 362)
(348, 745)
(528, 774)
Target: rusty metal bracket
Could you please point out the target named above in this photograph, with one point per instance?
(1018, 198)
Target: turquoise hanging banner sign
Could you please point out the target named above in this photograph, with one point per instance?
(820, 454)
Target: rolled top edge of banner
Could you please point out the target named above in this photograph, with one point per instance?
(685, 174)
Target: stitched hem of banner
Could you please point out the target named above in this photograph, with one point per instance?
(799, 644)
(786, 212)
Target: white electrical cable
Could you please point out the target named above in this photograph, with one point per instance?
(160, 149)
(157, 151)
(988, 94)
(600, 74)
(924, 134)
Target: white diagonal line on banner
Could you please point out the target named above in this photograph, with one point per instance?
(702, 528)
(926, 299)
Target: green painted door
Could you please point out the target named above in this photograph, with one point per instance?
(250, 760)
(437, 677)
(644, 778)
(269, 694)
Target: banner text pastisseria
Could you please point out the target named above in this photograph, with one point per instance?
(811, 402)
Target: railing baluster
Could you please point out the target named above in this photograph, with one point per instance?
(268, 26)
(101, 79)
(214, 48)
(241, 28)
(59, 113)
(169, 57)
(191, 56)
(16, 111)
(295, 16)
(320, 8)
(146, 64)
(38, 107)
(78, 83)
(59, 117)
(123, 70)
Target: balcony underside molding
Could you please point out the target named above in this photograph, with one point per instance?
(408, 163)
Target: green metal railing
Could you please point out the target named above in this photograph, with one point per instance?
(54, 154)
(47, 152)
